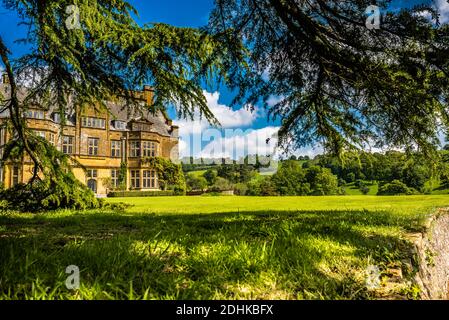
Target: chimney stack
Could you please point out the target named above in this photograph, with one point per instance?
(148, 94)
(5, 79)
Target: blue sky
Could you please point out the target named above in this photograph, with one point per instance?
(242, 127)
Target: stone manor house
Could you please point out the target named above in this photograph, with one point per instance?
(100, 142)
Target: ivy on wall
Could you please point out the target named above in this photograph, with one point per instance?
(170, 175)
(122, 176)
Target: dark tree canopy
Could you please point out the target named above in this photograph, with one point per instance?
(338, 82)
(103, 55)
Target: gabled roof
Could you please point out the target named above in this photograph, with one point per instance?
(161, 123)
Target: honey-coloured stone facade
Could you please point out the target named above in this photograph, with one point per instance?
(100, 142)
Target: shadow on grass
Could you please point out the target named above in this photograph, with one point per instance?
(271, 255)
(440, 188)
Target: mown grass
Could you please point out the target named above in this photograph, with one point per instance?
(197, 174)
(208, 204)
(352, 190)
(211, 248)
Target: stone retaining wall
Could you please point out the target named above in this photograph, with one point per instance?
(432, 250)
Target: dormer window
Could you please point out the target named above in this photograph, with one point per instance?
(119, 125)
(89, 122)
(57, 117)
(142, 126)
(40, 133)
(34, 114)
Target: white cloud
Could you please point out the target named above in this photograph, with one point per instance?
(183, 148)
(236, 144)
(197, 134)
(442, 6)
(230, 118)
(273, 100)
(443, 9)
(310, 151)
(235, 139)
(227, 117)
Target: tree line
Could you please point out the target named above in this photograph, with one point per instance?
(392, 172)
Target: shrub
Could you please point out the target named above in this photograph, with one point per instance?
(415, 176)
(117, 207)
(364, 189)
(359, 183)
(169, 173)
(221, 185)
(253, 188)
(290, 180)
(236, 173)
(48, 195)
(427, 190)
(177, 190)
(325, 183)
(240, 189)
(195, 183)
(55, 187)
(350, 177)
(306, 165)
(210, 176)
(396, 187)
(268, 188)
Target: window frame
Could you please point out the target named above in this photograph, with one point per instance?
(135, 179)
(34, 114)
(68, 146)
(116, 152)
(52, 138)
(149, 179)
(115, 177)
(93, 123)
(135, 149)
(94, 148)
(150, 148)
(92, 174)
(40, 133)
(120, 125)
(15, 177)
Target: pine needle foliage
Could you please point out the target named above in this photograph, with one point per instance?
(331, 80)
(83, 53)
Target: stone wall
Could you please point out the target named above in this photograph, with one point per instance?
(432, 250)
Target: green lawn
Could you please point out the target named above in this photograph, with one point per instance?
(210, 204)
(212, 248)
(352, 190)
(197, 174)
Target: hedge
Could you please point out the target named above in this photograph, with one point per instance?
(130, 194)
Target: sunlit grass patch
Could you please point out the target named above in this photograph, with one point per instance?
(274, 253)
